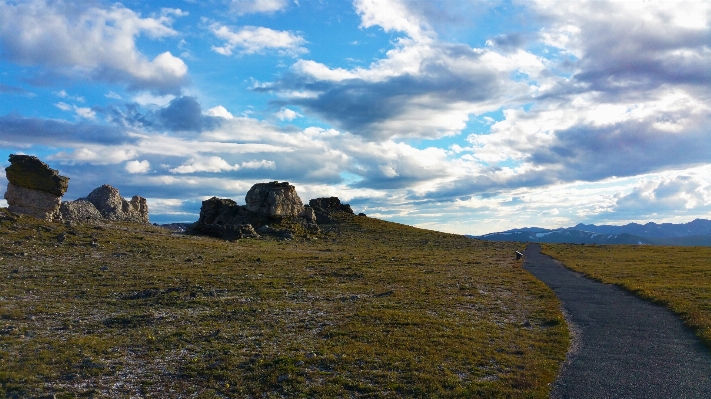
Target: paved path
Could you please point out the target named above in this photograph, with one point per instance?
(623, 347)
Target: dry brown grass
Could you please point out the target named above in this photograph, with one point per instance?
(367, 309)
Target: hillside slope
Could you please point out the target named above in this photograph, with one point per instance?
(366, 309)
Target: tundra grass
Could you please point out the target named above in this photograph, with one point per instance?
(367, 309)
(676, 277)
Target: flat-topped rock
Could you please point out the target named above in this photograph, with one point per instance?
(274, 200)
(29, 172)
(34, 188)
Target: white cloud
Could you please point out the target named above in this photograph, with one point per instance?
(257, 39)
(212, 164)
(138, 166)
(242, 7)
(392, 15)
(95, 155)
(219, 111)
(285, 114)
(82, 112)
(263, 164)
(89, 42)
(150, 99)
(3, 203)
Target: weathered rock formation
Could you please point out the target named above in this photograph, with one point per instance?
(80, 210)
(274, 200)
(34, 188)
(222, 217)
(106, 204)
(326, 208)
(266, 204)
(112, 206)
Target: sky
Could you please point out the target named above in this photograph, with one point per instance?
(463, 116)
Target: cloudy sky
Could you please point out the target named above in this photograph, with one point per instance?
(465, 116)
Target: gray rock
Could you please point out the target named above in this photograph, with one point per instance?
(37, 203)
(326, 208)
(34, 188)
(29, 172)
(309, 214)
(223, 218)
(266, 203)
(113, 207)
(80, 210)
(274, 200)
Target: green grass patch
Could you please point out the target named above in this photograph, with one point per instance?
(676, 277)
(366, 309)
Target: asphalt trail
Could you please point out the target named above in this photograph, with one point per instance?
(623, 347)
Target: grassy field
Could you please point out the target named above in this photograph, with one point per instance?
(366, 309)
(677, 277)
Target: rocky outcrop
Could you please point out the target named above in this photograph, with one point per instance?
(266, 203)
(105, 203)
(223, 218)
(326, 208)
(113, 207)
(80, 210)
(34, 188)
(274, 200)
(29, 172)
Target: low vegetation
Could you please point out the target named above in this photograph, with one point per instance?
(677, 277)
(366, 309)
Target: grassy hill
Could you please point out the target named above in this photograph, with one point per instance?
(366, 309)
(676, 277)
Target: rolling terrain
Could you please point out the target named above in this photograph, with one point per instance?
(367, 308)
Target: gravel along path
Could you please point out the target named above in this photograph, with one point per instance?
(623, 347)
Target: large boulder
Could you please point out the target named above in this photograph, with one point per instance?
(34, 188)
(113, 207)
(326, 208)
(275, 200)
(267, 203)
(223, 218)
(29, 172)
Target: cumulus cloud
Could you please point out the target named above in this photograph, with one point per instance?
(220, 111)
(138, 166)
(89, 42)
(257, 39)
(669, 194)
(422, 88)
(242, 7)
(392, 15)
(626, 46)
(286, 114)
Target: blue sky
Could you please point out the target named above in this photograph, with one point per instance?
(459, 116)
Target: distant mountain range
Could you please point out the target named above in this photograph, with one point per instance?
(694, 233)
